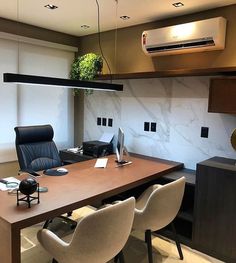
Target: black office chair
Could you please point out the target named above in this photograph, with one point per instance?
(35, 148)
(37, 151)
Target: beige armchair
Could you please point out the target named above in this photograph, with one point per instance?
(156, 208)
(98, 237)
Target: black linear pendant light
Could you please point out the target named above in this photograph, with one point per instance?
(69, 83)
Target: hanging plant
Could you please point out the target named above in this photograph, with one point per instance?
(86, 67)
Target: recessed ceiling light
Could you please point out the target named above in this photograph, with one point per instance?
(85, 26)
(51, 7)
(178, 4)
(125, 17)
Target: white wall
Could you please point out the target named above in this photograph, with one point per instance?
(177, 105)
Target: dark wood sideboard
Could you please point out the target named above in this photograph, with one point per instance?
(207, 218)
(214, 229)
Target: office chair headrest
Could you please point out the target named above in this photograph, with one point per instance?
(29, 134)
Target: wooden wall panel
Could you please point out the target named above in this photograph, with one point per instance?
(222, 95)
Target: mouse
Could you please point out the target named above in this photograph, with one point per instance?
(61, 169)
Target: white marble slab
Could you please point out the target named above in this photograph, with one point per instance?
(177, 105)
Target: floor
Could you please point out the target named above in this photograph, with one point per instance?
(135, 250)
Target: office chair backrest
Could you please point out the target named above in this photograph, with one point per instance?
(162, 206)
(35, 147)
(98, 237)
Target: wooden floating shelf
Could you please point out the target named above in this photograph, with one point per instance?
(226, 71)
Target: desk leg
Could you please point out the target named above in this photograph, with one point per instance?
(9, 243)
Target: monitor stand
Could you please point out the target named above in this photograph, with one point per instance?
(124, 162)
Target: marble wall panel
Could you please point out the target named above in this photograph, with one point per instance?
(177, 105)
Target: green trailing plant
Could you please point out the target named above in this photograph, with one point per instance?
(86, 67)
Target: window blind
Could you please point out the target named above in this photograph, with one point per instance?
(22, 105)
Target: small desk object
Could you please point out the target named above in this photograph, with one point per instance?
(83, 185)
(97, 148)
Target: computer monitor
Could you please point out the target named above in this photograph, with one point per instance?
(121, 151)
(120, 146)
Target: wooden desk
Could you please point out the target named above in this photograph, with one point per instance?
(83, 185)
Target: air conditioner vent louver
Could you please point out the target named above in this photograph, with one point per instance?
(196, 36)
(200, 43)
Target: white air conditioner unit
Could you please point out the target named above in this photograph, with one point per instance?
(204, 35)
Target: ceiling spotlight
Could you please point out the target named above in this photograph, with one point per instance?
(85, 26)
(51, 7)
(125, 17)
(178, 4)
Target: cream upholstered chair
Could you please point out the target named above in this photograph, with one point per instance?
(156, 208)
(98, 237)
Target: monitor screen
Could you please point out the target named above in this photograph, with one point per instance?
(120, 146)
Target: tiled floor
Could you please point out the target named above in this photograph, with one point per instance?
(135, 249)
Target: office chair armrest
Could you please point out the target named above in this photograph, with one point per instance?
(138, 212)
(142, 200)
(29, 171)
(51, 242)
(139, 217)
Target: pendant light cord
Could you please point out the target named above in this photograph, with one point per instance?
(18, 37)
(99, 40)
(116, 31)
(18, 88)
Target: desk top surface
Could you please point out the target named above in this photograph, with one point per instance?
(81, 186)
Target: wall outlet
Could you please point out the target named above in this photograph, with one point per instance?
(146, 126)
(104, 122)
(204, 132)
(153, 126)
(110, 121)
(99, 121)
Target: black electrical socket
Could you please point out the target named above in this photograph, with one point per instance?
(104, 122)
(146, 126)
(153, 127)
(204, 132)
(99, 121)
(110, 121)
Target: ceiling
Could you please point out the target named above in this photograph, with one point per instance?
(71, 14)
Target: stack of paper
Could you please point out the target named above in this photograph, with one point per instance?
(101, 163)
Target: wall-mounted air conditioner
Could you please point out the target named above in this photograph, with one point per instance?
(204, 35)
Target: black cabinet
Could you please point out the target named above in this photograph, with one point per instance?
(215, 208)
